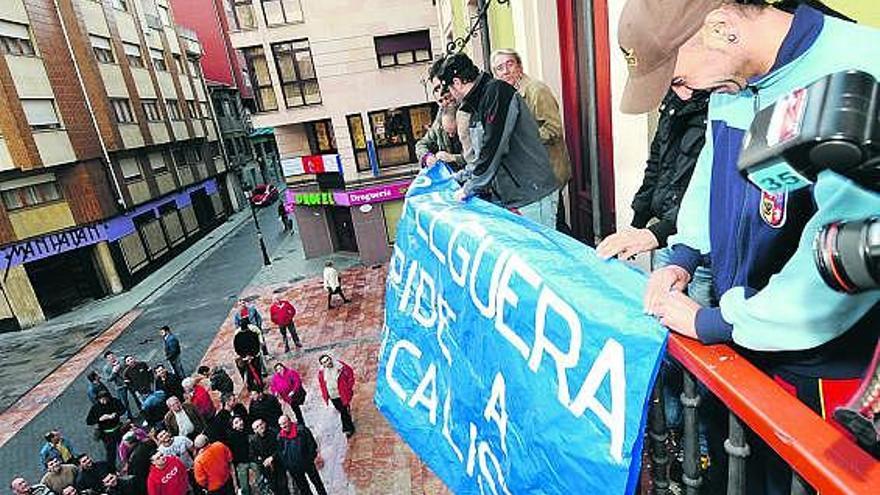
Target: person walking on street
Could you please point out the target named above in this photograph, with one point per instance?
(167, 476)
(247, 310)
(56, 446)
(337, 386)
(332, 283)
(298, 453)
(249, 359)
(284, 217)
(287, 386)
(183, 419)
(114, 373)
(105, 416)
(237, 440)
(172, 350)
(264, 451)
(282, 313)
(213, 467)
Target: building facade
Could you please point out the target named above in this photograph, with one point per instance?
(109, 157)
(341, 81)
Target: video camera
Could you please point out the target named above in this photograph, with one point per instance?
(832, 124)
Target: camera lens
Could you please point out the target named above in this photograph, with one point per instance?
(847, 255)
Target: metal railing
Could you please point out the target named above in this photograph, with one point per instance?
(821, 456)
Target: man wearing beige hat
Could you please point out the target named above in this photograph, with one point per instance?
(758, 245)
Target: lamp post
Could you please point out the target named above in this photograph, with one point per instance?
(266, 261)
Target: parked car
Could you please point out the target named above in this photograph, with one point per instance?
(264, 194)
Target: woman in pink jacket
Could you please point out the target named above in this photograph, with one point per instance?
(338, 387)
(287, 386)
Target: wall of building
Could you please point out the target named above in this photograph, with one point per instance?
(202, 16)
(860, 10)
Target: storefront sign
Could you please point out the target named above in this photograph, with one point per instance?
(314, 198)
(502, 371)
(378, 194)
(52, 244)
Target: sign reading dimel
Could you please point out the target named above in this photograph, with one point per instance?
(513, 360)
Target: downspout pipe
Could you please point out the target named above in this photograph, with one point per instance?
(120, 199)
(485, 42)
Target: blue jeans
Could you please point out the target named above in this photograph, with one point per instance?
(543, 212)
(700, 290)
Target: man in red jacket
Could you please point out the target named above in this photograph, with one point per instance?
(282, 313)
(167, 476)
(338, 387)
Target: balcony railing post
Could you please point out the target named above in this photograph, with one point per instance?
(737, 450)
(659, 435)
(690, 400)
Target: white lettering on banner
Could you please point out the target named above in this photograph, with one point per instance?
(496, 281)
(496, 409)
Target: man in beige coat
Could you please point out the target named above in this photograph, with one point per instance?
(507, 66)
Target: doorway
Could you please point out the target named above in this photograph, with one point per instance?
(203, 208)
(343, 229)
(64, 281)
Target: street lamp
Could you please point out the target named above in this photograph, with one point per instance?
(266, 261)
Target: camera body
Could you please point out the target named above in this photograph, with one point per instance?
(832, 124)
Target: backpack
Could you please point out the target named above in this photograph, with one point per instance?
(220, 381)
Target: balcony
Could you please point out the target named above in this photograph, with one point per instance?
(821, 455)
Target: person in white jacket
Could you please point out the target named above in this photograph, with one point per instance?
(332, 284)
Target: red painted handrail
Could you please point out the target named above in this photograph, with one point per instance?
(821, 454)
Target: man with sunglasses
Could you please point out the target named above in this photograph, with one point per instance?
(443, 140)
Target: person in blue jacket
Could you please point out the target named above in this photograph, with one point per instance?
(774, 306)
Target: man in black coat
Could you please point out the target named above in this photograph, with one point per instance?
(91, 474)
(168, 382)
(114, 485)
(298, 453)
(264, 451)
(264, 406)
(104, 415)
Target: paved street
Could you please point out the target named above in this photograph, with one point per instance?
(195, 304)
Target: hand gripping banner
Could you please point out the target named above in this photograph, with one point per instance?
(513, 360)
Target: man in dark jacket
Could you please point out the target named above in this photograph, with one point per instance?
(104, 415)
(172, 350)
(168, 382)
(264, 406)
(91, 473)
(298, 453)
(509, 165)
(138, 379)
(264, 451)
(114, 485)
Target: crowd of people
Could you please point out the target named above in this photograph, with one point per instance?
(177, 438)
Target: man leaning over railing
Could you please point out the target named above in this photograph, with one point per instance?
(773, 303)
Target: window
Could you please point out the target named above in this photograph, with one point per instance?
(395, 132)
(282, 11)
(243, 13)
(173, 107)
(15, 39)
(218, 108)
(133, 54)
(264, 94)
(192, 109)
(122, 110)
(205, 113)
(404, 48)
(32, 195)
(164, 15)
(157, 163)
(179, 157)
(193, 66)
(151, 108)
(158, 57)
(320, 136)
(103, 50)
(41, 113)
(358, 141)
(130, 169)
(178, 62)
(120, 5)
(296, 70)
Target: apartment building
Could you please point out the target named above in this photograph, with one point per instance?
(341, 82)
(254, 160)
(109, 158)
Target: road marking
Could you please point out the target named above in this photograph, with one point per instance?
(28, 406)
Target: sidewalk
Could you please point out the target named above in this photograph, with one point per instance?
(375, 460)
(22, 369)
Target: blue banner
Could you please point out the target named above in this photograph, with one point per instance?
(513, 360)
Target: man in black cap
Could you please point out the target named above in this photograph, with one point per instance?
(509, 165)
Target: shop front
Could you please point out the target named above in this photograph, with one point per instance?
(362, 220)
